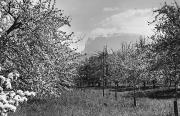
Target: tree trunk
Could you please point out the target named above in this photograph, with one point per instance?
(175, 102)
(170, 83)
(103, 88)
(134, 95)
(154, 85)
(116, 91)
(103, 71)
(175, 108)
(116, 94)
(134, 101)
(144, 84)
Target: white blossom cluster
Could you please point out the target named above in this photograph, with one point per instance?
(9, 99)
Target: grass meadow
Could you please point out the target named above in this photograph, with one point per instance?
(89, 102)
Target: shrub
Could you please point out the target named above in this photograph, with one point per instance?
(9, 97)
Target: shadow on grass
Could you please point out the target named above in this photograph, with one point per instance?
(124, 88)
(144, 92)
(113, 88)
(160, 93)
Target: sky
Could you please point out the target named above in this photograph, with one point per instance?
(106, 18)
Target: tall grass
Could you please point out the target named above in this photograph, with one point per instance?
(91, 103)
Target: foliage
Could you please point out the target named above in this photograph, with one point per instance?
(166, 39)
(89, 72)
(32, 42)
(95, 69)
(166, 43)
(130, 63)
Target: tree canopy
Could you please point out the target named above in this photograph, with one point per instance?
(31, 41)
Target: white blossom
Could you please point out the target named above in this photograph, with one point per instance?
(33, 93)
(22, 99)
(20, 92)
(3, 98)
(11, 75)
(1, 89)
(16, 103)
(10, 107)
(2, 79)
(17, 98)
(9, 100)
(12, 94)
(8, 85)
(16, 75)
(4, 112)
(1, 105)
(27, 93)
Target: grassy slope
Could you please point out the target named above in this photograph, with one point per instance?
(91, 103)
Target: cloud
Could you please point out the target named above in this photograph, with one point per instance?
(106, 9)
(130, 21)
(113, 42)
